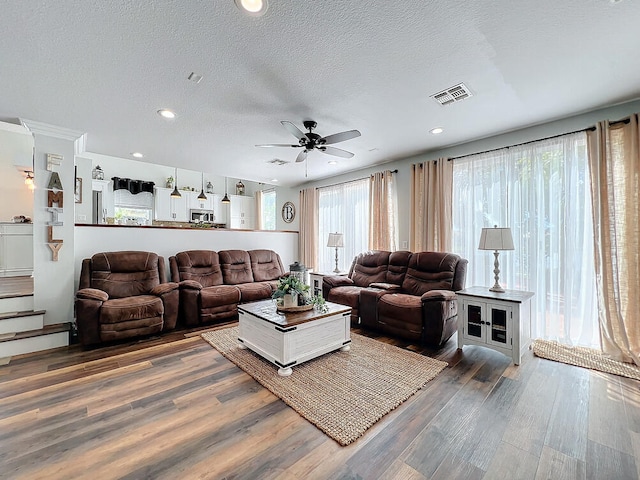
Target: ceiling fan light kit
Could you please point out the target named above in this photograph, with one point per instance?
(312, 141)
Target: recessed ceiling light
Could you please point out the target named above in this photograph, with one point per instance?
(274, 179)
(332, 162)
(437, 130)
(137, 155)
(255, 8)
(163, 112)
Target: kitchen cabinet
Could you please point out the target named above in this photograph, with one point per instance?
(194, 203)
(167, 208)
(242, 212)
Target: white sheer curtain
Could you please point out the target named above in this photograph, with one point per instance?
(343, 208)
(540, 190)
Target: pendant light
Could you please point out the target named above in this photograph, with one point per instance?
(202, 196)
(225, 199)
(176, 193)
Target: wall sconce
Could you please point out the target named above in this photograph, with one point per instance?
(28, 180)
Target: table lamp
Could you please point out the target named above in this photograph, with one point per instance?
(496, 239)
(336, 240)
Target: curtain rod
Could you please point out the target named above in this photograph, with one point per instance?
(588, 129)
(349, 181)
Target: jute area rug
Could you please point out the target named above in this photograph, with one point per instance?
(342, 393)
(584, 357)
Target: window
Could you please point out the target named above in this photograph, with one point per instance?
(133, 209)
(268, 209)
(343, 209)
(540, 190)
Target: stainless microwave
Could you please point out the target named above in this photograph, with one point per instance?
(198, 216)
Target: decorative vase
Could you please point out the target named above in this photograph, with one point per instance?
(290, 300)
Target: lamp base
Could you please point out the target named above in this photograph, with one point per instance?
(337, 270)
(497, 288)
(496, 271)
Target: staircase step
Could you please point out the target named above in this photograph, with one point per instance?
(13, 322)
(50, 336)
(16, 303)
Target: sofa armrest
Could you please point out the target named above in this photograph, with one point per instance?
(332, 281)
(163, 288)
(190, 285)
(337, 281)
(438, 296)
(169, 293)
(92, 294)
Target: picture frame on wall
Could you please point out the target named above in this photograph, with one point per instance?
(77, 191)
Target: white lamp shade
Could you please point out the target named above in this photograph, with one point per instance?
(335, 240)
(496, 239)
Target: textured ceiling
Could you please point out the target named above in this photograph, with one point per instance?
(105, 67)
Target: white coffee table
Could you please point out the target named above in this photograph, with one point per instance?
(288, 339)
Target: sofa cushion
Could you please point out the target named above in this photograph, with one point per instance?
(132, 308)
(400, 315)
(219, 295)
(265, 265)
(124, 274)
(236, 266)
(131, 328)
(250, 292)
(370, 267)
(398, 263)
(429, 271)
(202, 266)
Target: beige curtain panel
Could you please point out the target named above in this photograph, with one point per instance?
(259, 219)
(383, 212)
(432, 206)
(308, 237)
(614, 163)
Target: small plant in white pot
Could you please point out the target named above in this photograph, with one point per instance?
(292, 292)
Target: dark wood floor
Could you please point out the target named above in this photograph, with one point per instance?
(173, 408)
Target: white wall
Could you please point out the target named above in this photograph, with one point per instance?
(169, 241)
(16, 150)
(533, 133)
(53, 281)
(83, 209)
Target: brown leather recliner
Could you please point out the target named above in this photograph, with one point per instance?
(403, 294)
(123, 295)
(213, 283)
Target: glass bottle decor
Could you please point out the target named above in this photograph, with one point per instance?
(97, 173)
(239, 188)
(209, 187)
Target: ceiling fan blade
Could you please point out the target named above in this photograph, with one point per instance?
(336, 152)
(341, 137)
(302, 156)
(295, 131)
(278, 145)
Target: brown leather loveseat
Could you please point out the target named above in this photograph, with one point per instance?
(403, 294)
(123, 295)
(213, 283)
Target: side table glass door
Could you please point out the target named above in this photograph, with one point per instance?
(474, 316)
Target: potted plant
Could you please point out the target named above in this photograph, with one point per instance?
(292, 292)
(170, 182)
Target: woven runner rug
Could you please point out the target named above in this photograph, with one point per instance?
(342, 393)
(584, 357)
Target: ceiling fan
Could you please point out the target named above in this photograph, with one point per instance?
(309, 141)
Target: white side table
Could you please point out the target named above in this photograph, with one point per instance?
(315, 280)
(501, 321)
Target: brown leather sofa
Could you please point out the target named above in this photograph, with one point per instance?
(123, 295)
(213, 283)
(403, 294)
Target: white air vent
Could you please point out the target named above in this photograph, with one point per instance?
(277, 161)
(452, 94)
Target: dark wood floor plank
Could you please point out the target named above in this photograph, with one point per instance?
(569, 420)
(173, 407)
